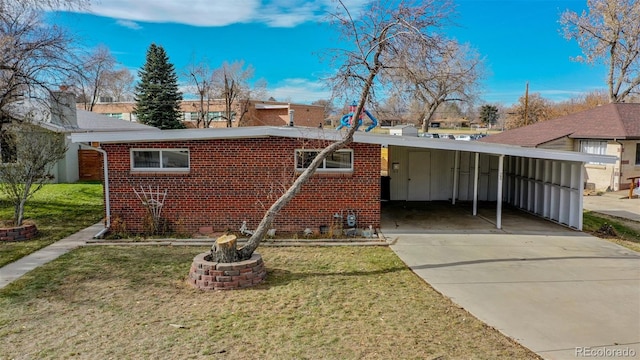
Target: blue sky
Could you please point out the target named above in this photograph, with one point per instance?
(284, 40)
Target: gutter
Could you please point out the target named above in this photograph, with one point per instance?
(618, 164)
(107, 198)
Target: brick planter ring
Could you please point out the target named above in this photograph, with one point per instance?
(19, 233)
(207, 275)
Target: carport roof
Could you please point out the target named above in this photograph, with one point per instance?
(333, 135)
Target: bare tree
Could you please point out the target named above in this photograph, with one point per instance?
(91, 81)
(37, 150)
(231, 82)
(379, 34)
(327, 105)
(433, 78)
(609, 33)
(530, 109)
(200, 84)
(34, 59)
(50, 4)
(395, 107)
(119, 84)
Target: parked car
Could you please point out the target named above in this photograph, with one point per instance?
(478, 136)
(463, 137)
(447, 136)
(429, 135)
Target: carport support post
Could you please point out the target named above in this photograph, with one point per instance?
(499, 196)
(475, 184)
(456, 160)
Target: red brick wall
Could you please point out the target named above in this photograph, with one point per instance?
(236, 180)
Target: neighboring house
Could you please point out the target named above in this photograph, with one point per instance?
(258, 113)
(612, 129)
(61, 116)
(222, 177)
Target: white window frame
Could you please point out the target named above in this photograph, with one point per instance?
(160, 167)
(323, 166)
(594, 147)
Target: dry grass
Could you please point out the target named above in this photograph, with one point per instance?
(317, 303)
(627, 231)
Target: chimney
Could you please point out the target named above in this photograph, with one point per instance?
(63, 108)
(291, 117)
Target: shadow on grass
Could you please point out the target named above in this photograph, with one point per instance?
(279, 277)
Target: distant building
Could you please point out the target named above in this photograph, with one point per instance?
(612, 129)
(256, 113)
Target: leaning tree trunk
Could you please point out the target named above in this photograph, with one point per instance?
(246, 251)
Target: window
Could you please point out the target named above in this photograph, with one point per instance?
(593, 147)
(115, 115)
(341, 160)
(160, 159)
(638, 153)
(211, 115)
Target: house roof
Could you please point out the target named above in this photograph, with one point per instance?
(334, 135)
(607, 122)
(90, 121)
(83, 121)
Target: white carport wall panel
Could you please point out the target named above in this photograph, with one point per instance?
(487, 176)
(548, 188)
(440, 165)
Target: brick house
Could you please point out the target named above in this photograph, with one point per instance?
(222, 177)
(258, 113)
(612, 129)
(221, 182)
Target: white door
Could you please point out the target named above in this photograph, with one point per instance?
(418, 188)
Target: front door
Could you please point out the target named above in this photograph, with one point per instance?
(419, 180)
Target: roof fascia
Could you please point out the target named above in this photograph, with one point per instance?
(334, 135)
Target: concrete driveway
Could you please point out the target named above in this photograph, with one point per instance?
(564, 295)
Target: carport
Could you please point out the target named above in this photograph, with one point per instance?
(546, 183)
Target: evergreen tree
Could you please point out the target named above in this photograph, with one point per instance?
(489, 114)
(157, 96)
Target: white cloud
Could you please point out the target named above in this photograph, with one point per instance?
(275, 13)
(300, 91)
(129, 24)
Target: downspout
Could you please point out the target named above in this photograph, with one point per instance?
(107, 199)
(618, 164)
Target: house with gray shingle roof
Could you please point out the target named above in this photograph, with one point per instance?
(612, 129)
(61, 116)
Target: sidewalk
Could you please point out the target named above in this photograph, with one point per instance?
(14, 270)
(614, 204)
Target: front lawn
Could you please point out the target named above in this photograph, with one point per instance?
(58, 211)
(317, 303)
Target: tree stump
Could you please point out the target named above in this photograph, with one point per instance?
(224, 250)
